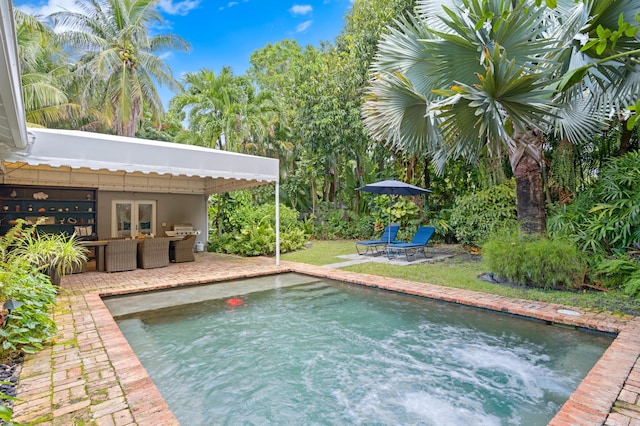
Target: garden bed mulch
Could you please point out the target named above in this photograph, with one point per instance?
(9, 373)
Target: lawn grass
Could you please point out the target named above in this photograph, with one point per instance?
(322, 252)
(462, 272)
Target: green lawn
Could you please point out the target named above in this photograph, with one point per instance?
(461, 272)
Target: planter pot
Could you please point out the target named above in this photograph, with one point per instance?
(54, 276)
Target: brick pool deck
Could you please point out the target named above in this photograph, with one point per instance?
(90, 375)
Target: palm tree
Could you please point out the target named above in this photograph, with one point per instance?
(44, 73)
(209, 102)
(225, 111)
(464, 78)
(118, 57)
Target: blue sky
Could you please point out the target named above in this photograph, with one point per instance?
(227, 32)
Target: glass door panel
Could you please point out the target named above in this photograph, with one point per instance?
(121, 219)
(146, 223)
(130, 218)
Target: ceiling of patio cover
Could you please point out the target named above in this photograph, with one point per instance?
(116, 154)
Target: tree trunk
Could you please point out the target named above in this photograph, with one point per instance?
(427, 173)
(411, 168)
(625, 139)
(564, 170)
(427, 178)
(314, 196)
(127, 126)
(358, 180)
(526, 160)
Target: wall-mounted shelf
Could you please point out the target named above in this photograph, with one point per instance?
(65, 210)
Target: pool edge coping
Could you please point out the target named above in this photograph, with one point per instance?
(592, 400)
(591, 403)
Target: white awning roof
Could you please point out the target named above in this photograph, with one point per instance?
(74, 158)
(13, 131)
(99, 154)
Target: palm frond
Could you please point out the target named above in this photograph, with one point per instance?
(394, 112)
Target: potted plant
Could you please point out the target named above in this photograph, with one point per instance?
(54, 254)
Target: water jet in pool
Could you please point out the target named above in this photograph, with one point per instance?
(308, 351)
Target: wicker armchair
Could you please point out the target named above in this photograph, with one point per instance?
(120, 255)
(153, 253)
(182, 250)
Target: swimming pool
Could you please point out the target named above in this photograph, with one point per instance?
(322, 352)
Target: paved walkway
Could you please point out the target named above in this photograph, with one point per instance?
(90, 375)
(356, 259)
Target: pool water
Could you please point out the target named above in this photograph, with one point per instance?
(321, 352)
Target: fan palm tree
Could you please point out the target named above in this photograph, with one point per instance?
(118, 57)
(466, 78)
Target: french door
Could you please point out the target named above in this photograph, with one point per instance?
(130, 218)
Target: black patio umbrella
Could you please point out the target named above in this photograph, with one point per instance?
(393, 187)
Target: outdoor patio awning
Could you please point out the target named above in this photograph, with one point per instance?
(13, 131)
(74, 158)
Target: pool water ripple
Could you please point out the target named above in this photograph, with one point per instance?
(330, 353)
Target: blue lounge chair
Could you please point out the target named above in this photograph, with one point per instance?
(388, 236)
(417, 245)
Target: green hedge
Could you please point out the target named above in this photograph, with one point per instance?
(476, 217)
(254, 232)
(535, 262)
(606, 217)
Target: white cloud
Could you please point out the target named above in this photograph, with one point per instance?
(182, 8)
(303, 26)
(171, 7)
(231, 4)
(301, 9)
(51, 6)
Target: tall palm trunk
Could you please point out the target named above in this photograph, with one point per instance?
(128, 126)
(526, 161)
(625, 139)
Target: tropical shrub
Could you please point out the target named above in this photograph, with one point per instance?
(331, 223)
(441, 221)
(619, 271)
(534, 261)
(252, 231)
(343, 224)
(606, 217)
(476, 217)
(225, 210)
(403, 210)
(28, 326)
(632, 285)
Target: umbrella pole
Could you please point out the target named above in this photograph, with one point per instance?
(389, 233)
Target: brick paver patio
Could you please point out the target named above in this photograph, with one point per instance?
(90, 375)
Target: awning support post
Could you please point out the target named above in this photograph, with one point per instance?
(277, 224)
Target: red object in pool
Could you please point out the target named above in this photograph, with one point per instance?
(235, 301)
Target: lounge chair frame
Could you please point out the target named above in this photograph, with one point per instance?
(377, 247)
(418, 244)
